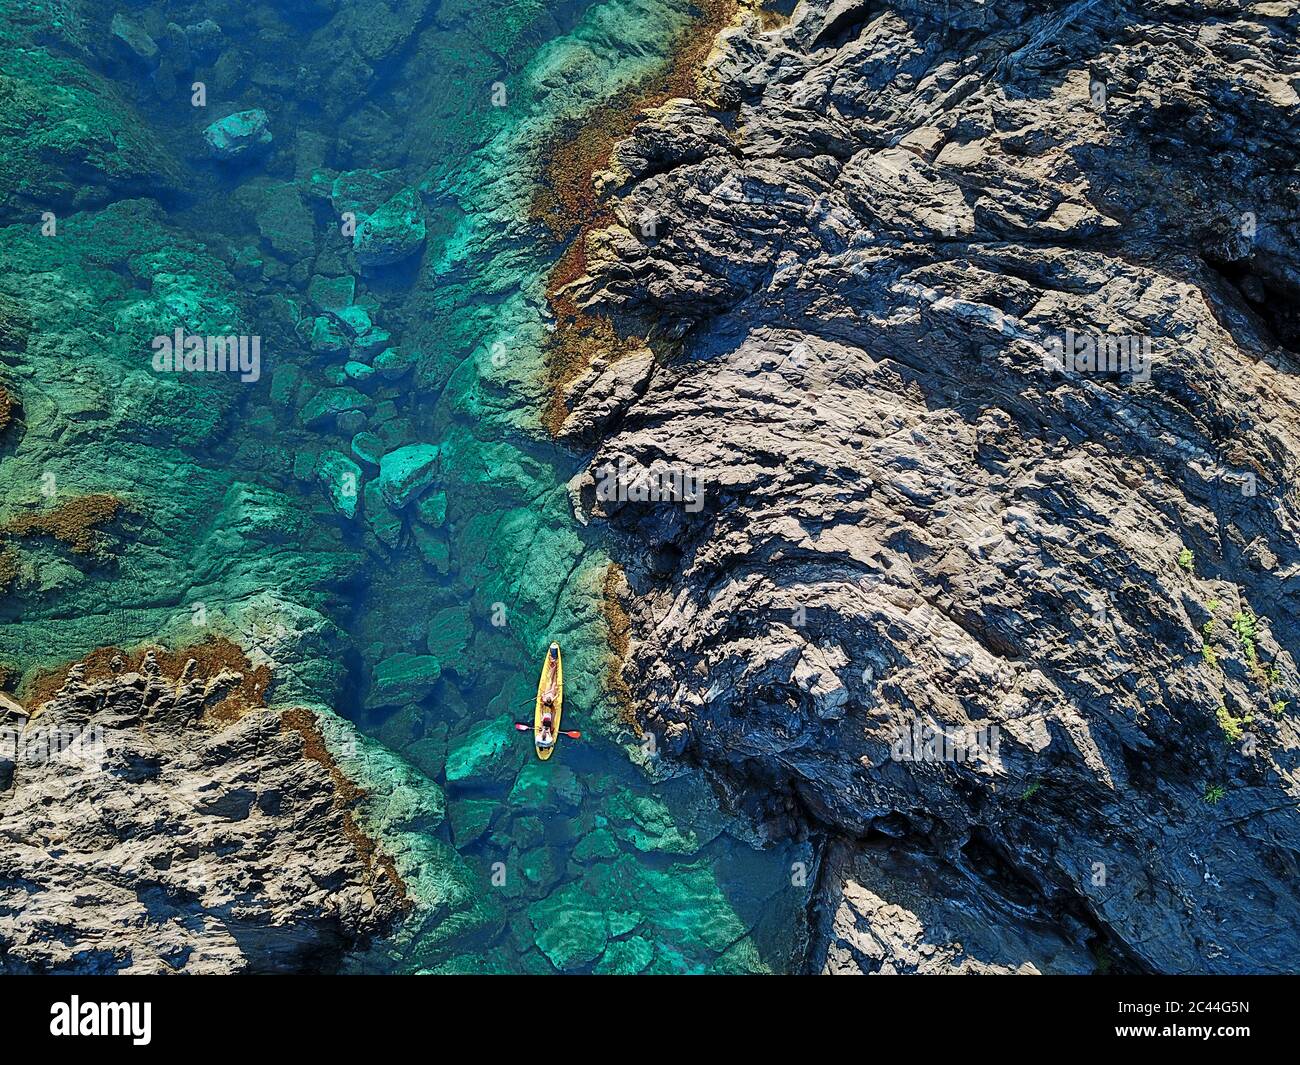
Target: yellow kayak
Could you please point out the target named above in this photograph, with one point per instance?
(551, 681)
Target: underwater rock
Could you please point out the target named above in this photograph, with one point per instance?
(646, 822)
(527, 832)
(70, 140)
(243, 134)
(380, 519)
(488, 753)
(429, 753)
(470, 819)
(625, 957)
(406, 472)
(360, 192)
(542, 868)
(329, 403)
(9, 409)
(359, 372)
(332, 294)
(434, 549)
(431, 509)
(285, 222)
(350, 422)
(571, 928)
(326, 336)
(204, 39)
(133, 42)
(449, 633)
(393, 364)
(356, 320)
(370, 343)
(368, 448)
(248, 264)
(15, 324)
(402, 678)
(393, 233)
(599, 845)
(341, 479)
(542, 786)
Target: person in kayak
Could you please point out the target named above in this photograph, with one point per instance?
(546, 734)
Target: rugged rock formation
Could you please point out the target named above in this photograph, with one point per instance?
(870, 266)
(154, 823)
(889, 911)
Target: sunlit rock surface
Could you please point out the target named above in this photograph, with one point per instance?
(862, 254)
(151, 825)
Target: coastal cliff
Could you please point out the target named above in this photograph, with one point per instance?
(970, 330)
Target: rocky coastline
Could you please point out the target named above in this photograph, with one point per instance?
(975, 323)
(157, 792)
(273, 371)
(924, 376)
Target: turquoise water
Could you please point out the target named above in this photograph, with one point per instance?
(598, 860)
(594, 866)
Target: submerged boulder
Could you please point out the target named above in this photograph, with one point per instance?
(204, 39)
(450, 630)
(371, 342)
(406, 472)
(403, 678)
(386, 525)
(242, 134)
(432, 509)
(326, 336)
(392, 364)
(487, 753)
(329, 403)
(470, 818)
(332, 293)
(392, 233)
(341, 479)
(132, 42)
(368, 448)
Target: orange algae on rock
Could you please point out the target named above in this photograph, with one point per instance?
(567, 201)
(76, 523)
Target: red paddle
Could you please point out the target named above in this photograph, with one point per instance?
(574, 735)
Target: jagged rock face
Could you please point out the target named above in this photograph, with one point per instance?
(891, 912)
(915, 515)
(138, 837)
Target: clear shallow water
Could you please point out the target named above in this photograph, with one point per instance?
(593, 865)
(581, 863)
